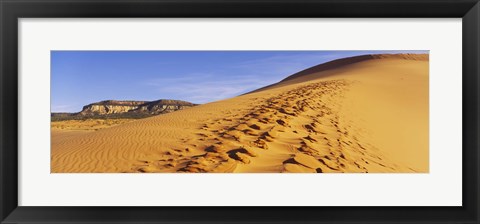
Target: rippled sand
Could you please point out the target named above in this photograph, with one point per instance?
(367, 116)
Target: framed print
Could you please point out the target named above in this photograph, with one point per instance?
(250, 112)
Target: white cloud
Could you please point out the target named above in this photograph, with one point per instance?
(198, 89)
(62, 108)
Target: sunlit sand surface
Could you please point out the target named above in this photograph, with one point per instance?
(369, 116)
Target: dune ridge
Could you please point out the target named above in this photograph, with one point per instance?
(338, 63)
(352, 60)
(314, 122)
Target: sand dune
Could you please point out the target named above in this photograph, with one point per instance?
(87, 124)
(368, 115)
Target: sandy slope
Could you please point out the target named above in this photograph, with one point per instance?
(366, 116)
(87, 125)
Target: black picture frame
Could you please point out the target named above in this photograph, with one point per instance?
(12, 10)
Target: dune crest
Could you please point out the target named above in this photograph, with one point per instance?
(361, 115)
(352, 60)
(339, 63)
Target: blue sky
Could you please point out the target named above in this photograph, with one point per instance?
(79, 78)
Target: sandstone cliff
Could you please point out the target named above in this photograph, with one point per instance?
(149, 107)
(163, 106)
(124, 109)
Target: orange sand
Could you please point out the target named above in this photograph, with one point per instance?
(87, 125)
(367, 116)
